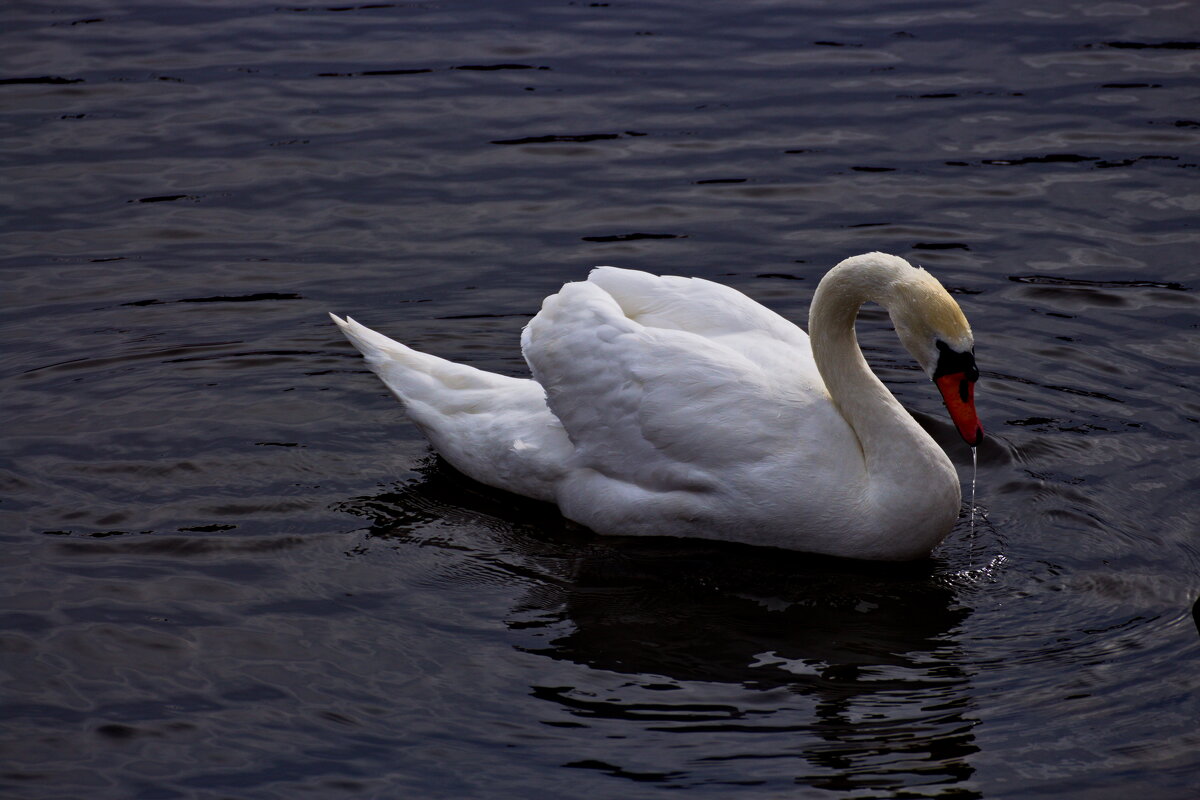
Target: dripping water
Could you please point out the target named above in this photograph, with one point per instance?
(973, 574)
(974, 472)
(971, 529)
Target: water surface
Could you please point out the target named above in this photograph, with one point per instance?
(233, 569)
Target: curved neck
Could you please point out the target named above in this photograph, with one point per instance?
(886, 432)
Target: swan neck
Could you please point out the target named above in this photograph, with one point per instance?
(879, 421)
(909, 486)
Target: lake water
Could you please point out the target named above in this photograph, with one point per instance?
(234, 570)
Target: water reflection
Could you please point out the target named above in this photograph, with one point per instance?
(851, 669)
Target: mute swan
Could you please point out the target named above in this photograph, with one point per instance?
(680, 407)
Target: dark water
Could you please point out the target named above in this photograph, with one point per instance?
(232, 569)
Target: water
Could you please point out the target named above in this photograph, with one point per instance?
(233, 569)
(974, 480)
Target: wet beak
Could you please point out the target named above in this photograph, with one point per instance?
(959, 394)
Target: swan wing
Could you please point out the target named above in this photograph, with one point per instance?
(649, 390)
(709, 309)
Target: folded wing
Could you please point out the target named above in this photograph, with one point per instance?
(668, 384)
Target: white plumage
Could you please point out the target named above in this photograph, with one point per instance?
(680, 407)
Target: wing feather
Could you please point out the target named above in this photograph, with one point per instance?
(672, 405)
(709, 309)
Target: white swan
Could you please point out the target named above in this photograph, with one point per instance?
(680, 407)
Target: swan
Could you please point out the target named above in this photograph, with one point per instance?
(671, 406)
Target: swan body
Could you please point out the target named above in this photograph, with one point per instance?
(676, 406)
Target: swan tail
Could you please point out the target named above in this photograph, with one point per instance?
(410, 374)
(493, 428)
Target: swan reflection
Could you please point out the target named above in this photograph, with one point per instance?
(852, 669)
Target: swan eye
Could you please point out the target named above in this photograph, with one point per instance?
(952, 362)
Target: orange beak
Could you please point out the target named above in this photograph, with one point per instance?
(959, 394)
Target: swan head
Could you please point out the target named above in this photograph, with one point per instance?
(935, 331)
